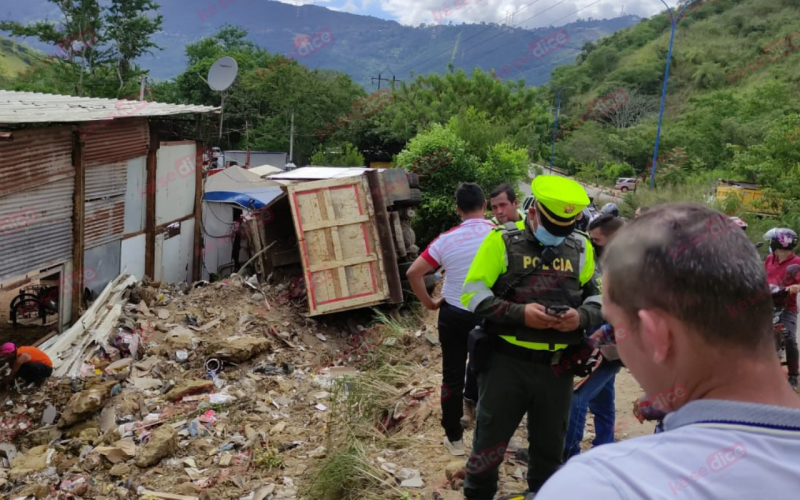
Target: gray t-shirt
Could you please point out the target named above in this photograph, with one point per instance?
(711, 449)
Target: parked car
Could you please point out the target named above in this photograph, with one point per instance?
(527, 203)
(625, 184)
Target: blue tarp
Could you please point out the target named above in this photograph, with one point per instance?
(242, 187)
(253, 199)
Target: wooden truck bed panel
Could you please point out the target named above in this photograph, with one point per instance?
(335, 224)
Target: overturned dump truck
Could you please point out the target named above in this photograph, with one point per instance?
(350, 230)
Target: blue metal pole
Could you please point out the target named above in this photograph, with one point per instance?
(555, 126)
(674, 20)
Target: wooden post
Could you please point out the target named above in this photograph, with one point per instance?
(198, 213)
(150, 204)
(78, 223)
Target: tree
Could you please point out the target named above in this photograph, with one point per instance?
(345, 156)
(96, 45)
(635, 107)
(129, 30)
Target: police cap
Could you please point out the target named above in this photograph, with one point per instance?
(559, 200)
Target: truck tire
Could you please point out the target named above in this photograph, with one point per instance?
(414, 199)
(403, 268)
(413, 180)
(430, 282)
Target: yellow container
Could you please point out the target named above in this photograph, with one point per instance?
(750, 195)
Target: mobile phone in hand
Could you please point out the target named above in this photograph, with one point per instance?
(556, 310)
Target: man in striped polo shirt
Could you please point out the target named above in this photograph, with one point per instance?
(453, 251)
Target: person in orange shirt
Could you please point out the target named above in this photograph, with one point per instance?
(28, 362)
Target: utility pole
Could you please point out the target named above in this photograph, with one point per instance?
(247, 144)
(381, 79)
(291, 141)
(141, 89)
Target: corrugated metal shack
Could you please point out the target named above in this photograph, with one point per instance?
(91, 188)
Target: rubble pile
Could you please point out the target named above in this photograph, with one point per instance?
(209, 390)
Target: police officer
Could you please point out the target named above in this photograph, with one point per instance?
(537, 291)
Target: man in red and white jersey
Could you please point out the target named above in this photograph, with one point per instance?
(454, 251)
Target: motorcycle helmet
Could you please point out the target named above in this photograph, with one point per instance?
(781, 238)
(739, 222)
(610, 208)
(582, 224)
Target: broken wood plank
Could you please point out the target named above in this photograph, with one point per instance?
(166, 496)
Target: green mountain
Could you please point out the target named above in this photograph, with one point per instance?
(14, 58)
(363, 46)
(731, 103)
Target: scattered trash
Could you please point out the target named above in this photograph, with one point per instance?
(175, 391)
(49, 415)
(430, 337)
(270, 369)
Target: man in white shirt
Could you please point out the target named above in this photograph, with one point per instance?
(454, 251)
(733, 423)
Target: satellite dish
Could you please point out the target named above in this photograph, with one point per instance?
(222, 73)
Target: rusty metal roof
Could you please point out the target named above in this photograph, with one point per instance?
(34, 107)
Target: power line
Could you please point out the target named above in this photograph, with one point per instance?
(381, 79)
(479, 32)
(557, 20)
(528, 19)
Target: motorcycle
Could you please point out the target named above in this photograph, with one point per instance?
(779, 295)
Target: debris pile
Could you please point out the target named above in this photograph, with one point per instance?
(175, 392)
(210, 391)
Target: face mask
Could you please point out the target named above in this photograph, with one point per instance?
(546, 238)
(598, 250)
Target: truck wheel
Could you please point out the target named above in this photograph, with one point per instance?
(403, 268)
(430, 282)
(407, 213)
(413, 180)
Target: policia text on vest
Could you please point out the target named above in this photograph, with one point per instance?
(558, 263)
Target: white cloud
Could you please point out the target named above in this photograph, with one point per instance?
(349, 7)
(538, 13)
(307, 2)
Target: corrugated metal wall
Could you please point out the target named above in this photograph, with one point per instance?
(105, 180)
(108, 150)
(120, 140)
(35, 157)
(104, 221)
(36, 228)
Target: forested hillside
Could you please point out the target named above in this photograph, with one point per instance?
(14, 58)
(731, 104)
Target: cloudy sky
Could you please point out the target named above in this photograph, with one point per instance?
(526, 13)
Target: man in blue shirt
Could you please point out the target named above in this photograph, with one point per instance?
(732, 428)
